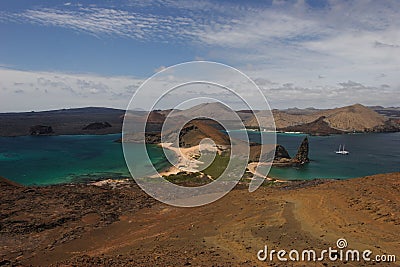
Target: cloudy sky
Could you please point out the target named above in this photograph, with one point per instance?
(60, 54)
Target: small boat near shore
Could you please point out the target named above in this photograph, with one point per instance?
(342, 151)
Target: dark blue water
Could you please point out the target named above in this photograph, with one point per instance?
(62, 159)
(369, 154)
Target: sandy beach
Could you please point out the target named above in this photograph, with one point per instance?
(186, 161)
(252, 167)
(186, 157)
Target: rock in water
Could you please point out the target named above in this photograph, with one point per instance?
(281, 153)
(302, 154)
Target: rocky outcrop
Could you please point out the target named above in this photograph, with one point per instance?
(152, 138)
(41, 130)
(281, 153)
(97, 126)
(302, 153)
(282, 158)
(391, 125)
(40, 218)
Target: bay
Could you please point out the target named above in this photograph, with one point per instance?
(370, 153)
(44, 160)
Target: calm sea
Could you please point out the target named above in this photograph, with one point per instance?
(369, 154)
(43, 160)
(63, 159)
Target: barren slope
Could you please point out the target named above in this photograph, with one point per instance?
(228, 232)
(353, 118)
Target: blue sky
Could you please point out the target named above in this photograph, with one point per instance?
(57, 54)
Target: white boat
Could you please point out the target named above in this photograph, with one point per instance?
(341, 151)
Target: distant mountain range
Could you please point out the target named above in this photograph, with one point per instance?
(59, 122)
(95, 120)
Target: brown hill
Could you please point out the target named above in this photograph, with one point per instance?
(282, 119)
(207, 110)
(347, 119)
(195, 131)
(353, 118)
(317, 127)
(155, 117)
(190, 135)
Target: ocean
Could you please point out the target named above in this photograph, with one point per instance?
(44, 160)
(370, 153)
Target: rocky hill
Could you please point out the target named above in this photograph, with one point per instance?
(75, 121)
(317, 127)
(207, 110)
(64, 121)
(389, 112)
(195, 131)
(354, 118)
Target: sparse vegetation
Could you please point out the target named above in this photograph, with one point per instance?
(218, 166)
(188, 179)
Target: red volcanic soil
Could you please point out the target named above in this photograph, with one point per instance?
(83, 225)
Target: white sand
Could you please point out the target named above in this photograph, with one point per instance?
(186, 157)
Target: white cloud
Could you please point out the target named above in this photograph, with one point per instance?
(26, 90)
(108, 21)
(315, 49)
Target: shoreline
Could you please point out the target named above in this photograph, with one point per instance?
(253, 166)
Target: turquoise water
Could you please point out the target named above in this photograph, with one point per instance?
(63, 159)
(41, 160)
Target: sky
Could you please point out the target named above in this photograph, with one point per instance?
(64, 54)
